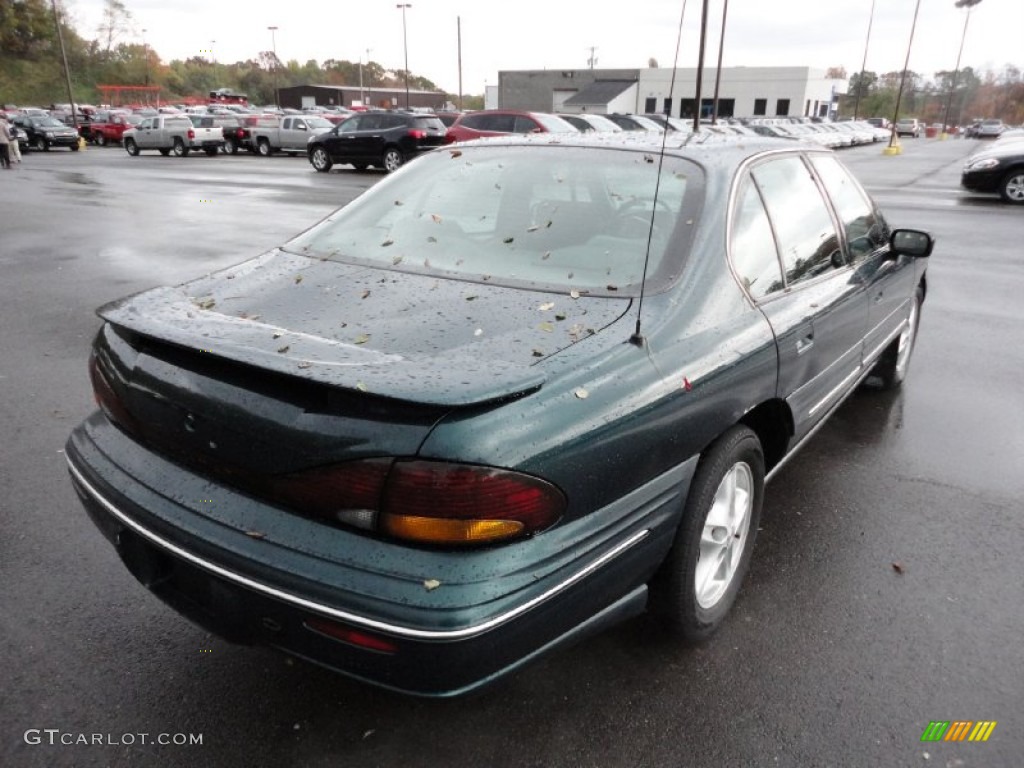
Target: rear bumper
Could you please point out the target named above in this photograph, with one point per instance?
(493, 610)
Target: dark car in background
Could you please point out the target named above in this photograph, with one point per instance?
(505, 122)
(997, 169)
(381, 139)
(42, 133)
(435, 436)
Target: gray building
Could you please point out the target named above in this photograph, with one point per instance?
(743, 91)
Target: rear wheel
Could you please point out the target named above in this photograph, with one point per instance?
(230, 148)
(263, 147)
(131, 147)
(891, 368)
(178, 147)
(1012, 187)
(392, 159)
(320, 159)
(703, 571)
(100, 139)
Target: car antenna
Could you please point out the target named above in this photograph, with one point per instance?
(637, 338)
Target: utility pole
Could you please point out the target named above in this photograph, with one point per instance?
(273, 46)
(593, 59)
(405, 46)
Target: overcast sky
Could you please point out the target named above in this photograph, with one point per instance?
(558, 34)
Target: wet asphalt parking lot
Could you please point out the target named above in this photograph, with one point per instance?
(887, 587)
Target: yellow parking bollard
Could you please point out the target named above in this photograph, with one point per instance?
(82, 143)
(893, 149)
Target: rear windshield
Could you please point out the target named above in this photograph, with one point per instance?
(548, 216)
(425, 123)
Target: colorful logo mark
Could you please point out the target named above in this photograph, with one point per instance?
(958, 730)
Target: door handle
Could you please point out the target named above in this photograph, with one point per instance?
(804, 344)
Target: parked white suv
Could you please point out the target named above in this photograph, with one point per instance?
(908, 126)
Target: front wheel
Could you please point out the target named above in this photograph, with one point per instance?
(392, 159)
(131, 147)
(178, 148)
(320, 159)
(703, 571)
(42, 144)
(891, 368)
(1012, 187)
(101, 140)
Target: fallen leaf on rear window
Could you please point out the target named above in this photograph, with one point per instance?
(508, 240)
(398, 202)
(547, 327)
(898, 567)
(538, 353)
(387, 242)
(431, 584)
(362, 338)
(256, 534)
(431, 239)
(581, 393)
(360, 386)
(284, 349)
(396, 261)
(546, 306)
(298, 278)
(305, 364)
(436, 218)
(365, 294)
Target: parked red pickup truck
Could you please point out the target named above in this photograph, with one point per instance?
(112, 129)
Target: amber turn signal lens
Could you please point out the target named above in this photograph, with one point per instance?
(439, 530)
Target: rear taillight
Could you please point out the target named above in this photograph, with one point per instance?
(416, 133)
(430, 502)
(191, 134)
(107, 398)
(240, 133)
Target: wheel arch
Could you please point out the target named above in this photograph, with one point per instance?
(772, 422)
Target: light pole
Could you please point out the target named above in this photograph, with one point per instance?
(405, 46)
(273, 46)
(362, 97)
(894, 147)
(864, 63)
(968, 4)
(145, 52)
(718, 72)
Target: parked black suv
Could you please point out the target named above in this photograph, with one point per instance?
(382, 139)
(45, 132)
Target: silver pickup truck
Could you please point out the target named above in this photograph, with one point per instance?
(166, 133)
(209, 133)
(286, 134)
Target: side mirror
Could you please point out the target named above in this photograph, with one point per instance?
(911, 242)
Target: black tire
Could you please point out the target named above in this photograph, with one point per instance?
(891, 369)
(100, 139)
(165, 152)
(41, 144)
(211, 151)
(131, 147)
(1011, 188)
(392, 159)
(263, 148)
(178, 147)
(359, 166)
(230, 148)
(320, 159)
(702, 573)
(75, 147)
